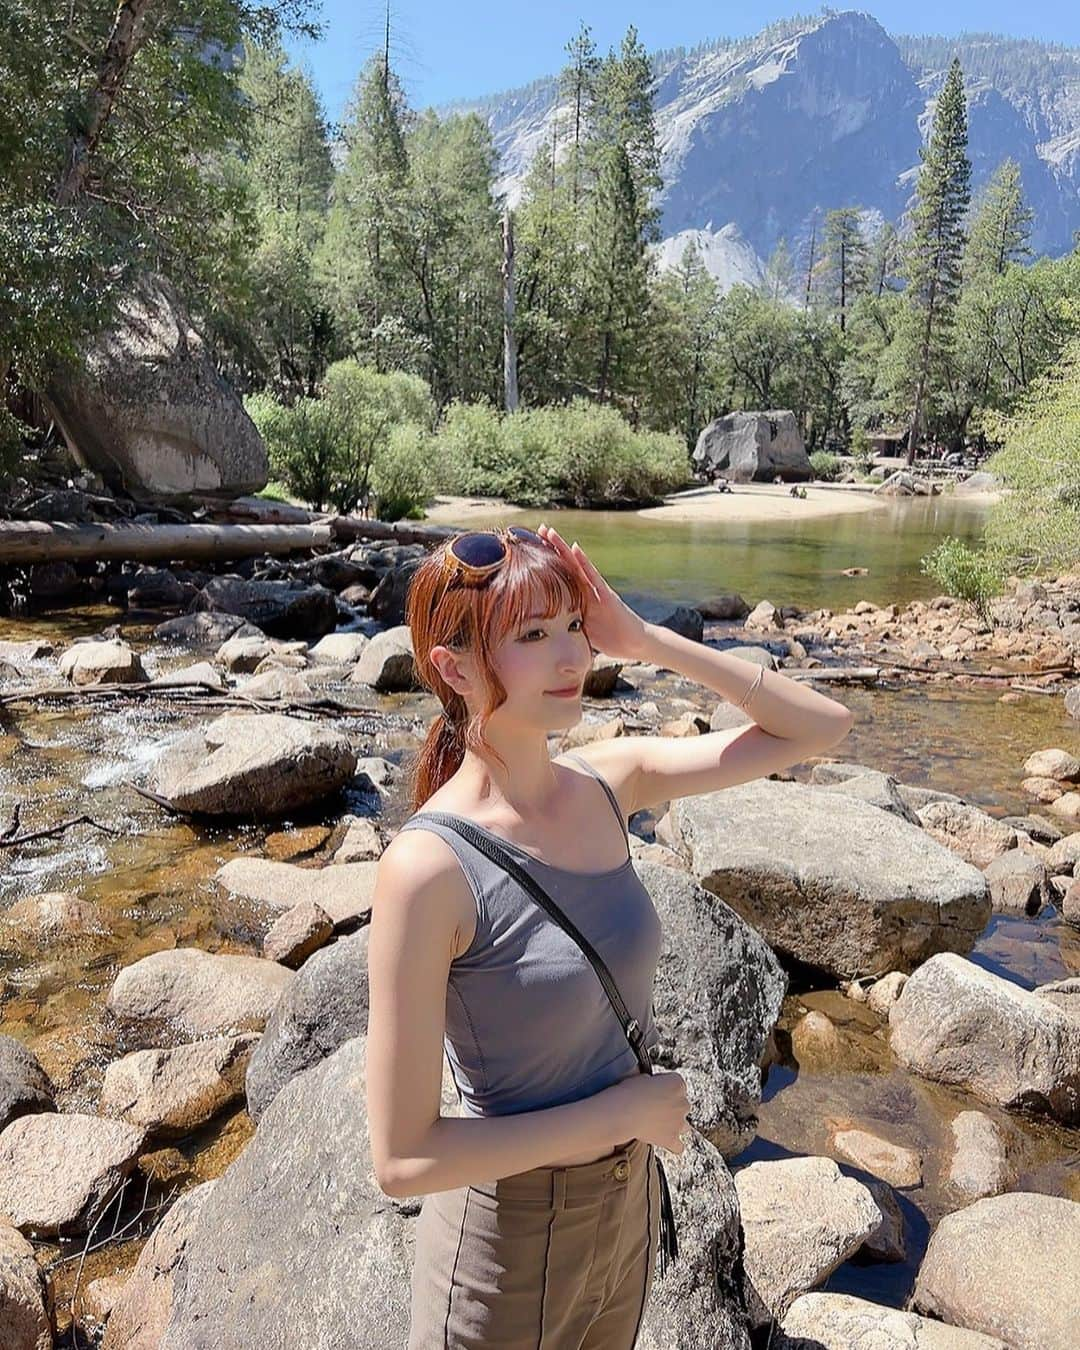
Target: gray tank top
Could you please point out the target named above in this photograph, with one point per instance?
(528, 1024)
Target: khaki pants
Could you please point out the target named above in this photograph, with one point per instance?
(556, 1258)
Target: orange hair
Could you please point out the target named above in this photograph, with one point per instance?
(441, 610)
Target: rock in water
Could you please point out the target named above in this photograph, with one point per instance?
(257, 764)
(834, 881)
(752, 447)
(150, 412)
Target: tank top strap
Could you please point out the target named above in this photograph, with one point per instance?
(569, 754)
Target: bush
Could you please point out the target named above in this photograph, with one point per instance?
(468, 449)
(402, 475)
(825, 467)
(965, 573)
(304, 444)
(862, 451)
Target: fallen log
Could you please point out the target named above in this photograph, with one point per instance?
(399, 531)
(29, 541)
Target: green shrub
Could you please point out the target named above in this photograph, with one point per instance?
(304, 444)
(862, 450)
(402, 476)
(965, 573)
(468, 449)
(826, 467)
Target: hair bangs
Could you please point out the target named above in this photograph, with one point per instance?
(531, 582)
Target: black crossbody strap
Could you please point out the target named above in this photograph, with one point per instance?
(499, 855)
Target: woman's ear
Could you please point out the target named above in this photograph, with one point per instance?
(454, 667)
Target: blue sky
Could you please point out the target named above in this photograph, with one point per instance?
(463, 48)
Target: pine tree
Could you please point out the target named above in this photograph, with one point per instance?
(577, 85)
(843, 267)
(1001, 225)
(883, 260)
(935, 251)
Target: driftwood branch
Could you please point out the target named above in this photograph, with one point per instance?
(9, 840)
(189, 695)
(27, 541)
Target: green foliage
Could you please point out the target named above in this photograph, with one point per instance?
(469, 447)
(861, 449)
(304, 444)
(966, 573)
(826, 467)
(403, 478)
(1036, 526)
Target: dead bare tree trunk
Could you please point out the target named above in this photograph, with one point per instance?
(510, 380)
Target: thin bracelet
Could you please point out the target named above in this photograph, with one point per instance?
(745, 700)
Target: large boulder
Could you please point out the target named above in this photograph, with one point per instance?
(253, 764)
(24, 1085)
(280, 609)
(841, 1322)
(957, 1023)
(169, 1093)
(1008, 1266)
(717, 997)
(140, 1314)
(831, 880)
(753, 446)
(654, 609)
(150, 413)
(341, 890)
(325, 1006)
(25, 1319)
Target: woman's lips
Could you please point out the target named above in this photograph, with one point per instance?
(560, 693)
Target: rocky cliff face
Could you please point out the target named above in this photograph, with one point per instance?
(759, 138)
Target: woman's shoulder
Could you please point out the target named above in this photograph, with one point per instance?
(420, 873)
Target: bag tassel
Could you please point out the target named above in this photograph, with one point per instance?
(669, 1243)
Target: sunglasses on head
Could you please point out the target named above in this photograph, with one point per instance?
(479, 553)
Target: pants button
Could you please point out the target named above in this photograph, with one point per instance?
(621, 1170)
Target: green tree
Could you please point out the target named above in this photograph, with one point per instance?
(1001, 226)
(843, 269)
(682, 377)
(577, 87)
(934, 256)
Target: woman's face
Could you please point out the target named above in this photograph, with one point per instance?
(537, 658)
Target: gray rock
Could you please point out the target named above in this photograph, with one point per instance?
(979, 1166)
(205, 631)
(195, 993)
(241, 655)
(973, 834)
(891, 1162)
(1065, 854)
(343, 890)
(58, 1172)
(254, 764)
(841, 1322)
(730, 607)
(24, 1295)
(89, 663)
(663, 613)
(325, 1006)
(749, 447)
(601, 677)
(1019, 883)
(169, 1093)
(386, 663)
(150, 412)
(831, 880)
(957, 1023)
(801, 1218)
(140, 1315)
(387, 601)
(282, 609)
(24, 1085)
(879, 789)
(297, 934)
(1072, 702)
(717, 997)
(1008, 1266)
(339, 647)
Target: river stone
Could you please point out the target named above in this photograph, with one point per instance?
(1072, 701)
(1053, 763)
(282, 609)
(681, 619)
(339, 648)
(89, 663)
(58, 1172)
(886, 1242)
(52, 916)
(1065, 854)
(297, 934)
(831, 880)
(202, 672)
(204, 630)
(325, 1006)
(25, 1323)
(387, 601)
(749, 447)
(149, 411)
(842, 1322)
(169, 1093)
(386, 663)
(361, 842)
(1019, 883)
(891, 1162)
(883, 993)
(138, 1320)
(24, 1085)
(196, 993)
(729, 607)
(287, 685)
(977, 837)
(1008, 1266)
(1068, 806)
(802, 1218)
(979, 1166)
(717, 996)
(601, 676)
(343, 890)
(240, 655)
(957, 1023)
(254, 764)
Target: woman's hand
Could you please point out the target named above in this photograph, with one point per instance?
(613, 628)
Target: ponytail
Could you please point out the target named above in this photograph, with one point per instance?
(439, 758)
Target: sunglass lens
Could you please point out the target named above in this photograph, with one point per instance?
(478, 550)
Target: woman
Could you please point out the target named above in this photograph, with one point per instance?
(539, 1228)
